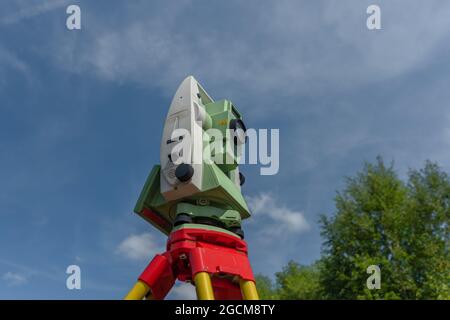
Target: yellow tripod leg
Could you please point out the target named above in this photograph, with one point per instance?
(203, 286)
(248, 289)
(138, 292)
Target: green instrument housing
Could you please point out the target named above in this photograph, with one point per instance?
(220, 198)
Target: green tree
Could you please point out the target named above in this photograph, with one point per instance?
(294, 282)
(428, 244)
(266, 288)
(298, 282)
(401, 227)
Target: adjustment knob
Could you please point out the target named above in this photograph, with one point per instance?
(184, 172)
(241, 179)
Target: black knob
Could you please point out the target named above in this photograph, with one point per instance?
(241, 179)
(184, 172)
(238, 130)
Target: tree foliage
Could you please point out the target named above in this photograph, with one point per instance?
(294, 282)
(380, 220)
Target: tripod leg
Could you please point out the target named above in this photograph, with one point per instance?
(156, 280)
(203, 286)
(138, 292)
(248, 289)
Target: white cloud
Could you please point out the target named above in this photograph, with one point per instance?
(282, 220)
(138, 247)
(289, 46)
(184, 291)
(14, 279)
(7, 59)
(10, 61)
(27, 10)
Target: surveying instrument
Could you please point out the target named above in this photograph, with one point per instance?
(194, 197)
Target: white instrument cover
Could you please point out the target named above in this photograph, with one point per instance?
(186, 112)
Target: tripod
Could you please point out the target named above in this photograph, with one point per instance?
(215, 260)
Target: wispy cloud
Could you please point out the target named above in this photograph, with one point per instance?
(28, 272)
(276, 229)
(10, 61)
(276, 52)
(138, 247)
(14, 279)
(27, 10)
(283, 221)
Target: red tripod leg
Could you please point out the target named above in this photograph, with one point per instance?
(158, 276)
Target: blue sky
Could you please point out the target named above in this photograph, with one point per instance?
(81, 114)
